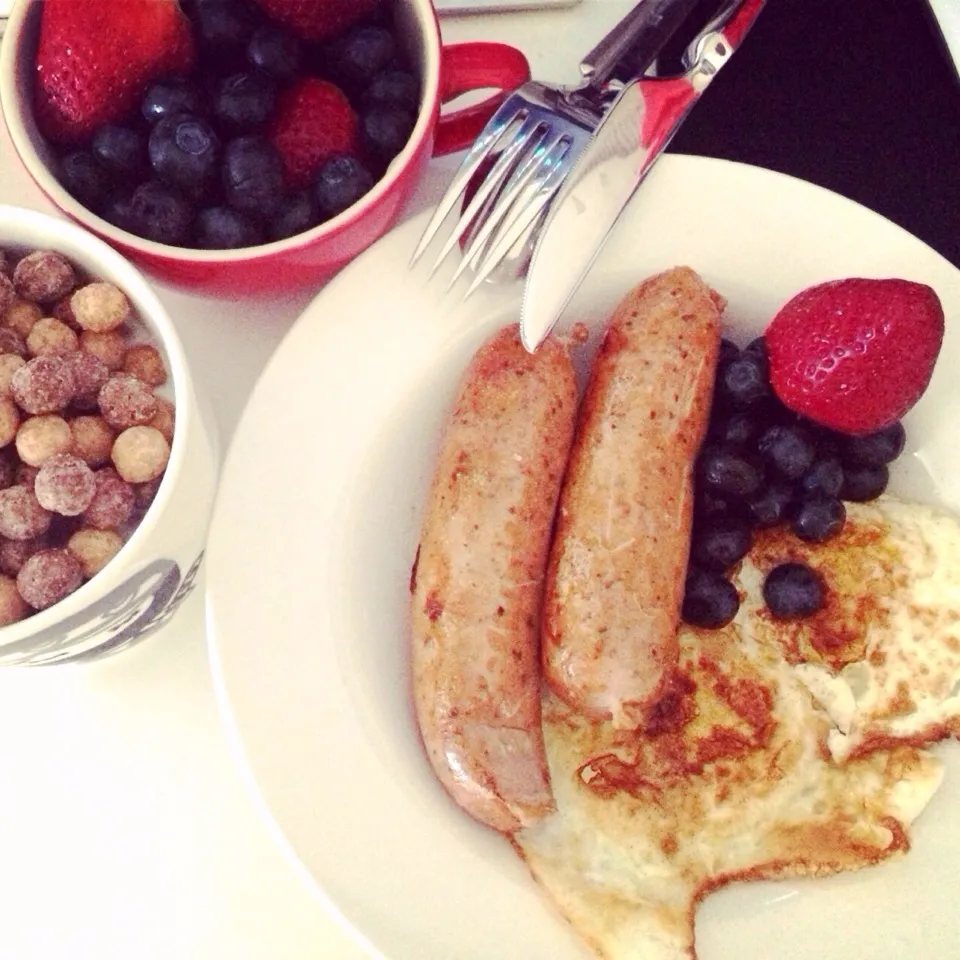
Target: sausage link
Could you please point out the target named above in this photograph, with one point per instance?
(478, 579)
(619, 557)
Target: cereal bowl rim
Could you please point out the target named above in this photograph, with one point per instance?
(97, 257)
(14, 104)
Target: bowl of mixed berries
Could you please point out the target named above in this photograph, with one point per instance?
(237, 146)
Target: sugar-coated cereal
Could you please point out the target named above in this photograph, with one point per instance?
(9, 421)
(49, 576)
(144, 362)
(94, 548)
(20, 317)
(8, 292)
(26, 475)
(92, 439)
(113, 501)
(12, 342)
(10, 363)
(126, 401)
(8, 470)
(65, 485)
(140, 454)
(164, 419)
(12, 606)
(41, 438)
(110, 347)
(50, 337)
(145, 493)
(89, 375)
(100, 306)
(44, 276)
(15, 553)
(21, 516)
(64, 313)
(43, 385)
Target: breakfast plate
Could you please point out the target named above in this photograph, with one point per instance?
(314, 534)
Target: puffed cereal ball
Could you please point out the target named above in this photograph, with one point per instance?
(100, 306)
(112, 503)
(125, 402)
(9, 421)
(21, 516)
(140, 454)
(94, 548)
(110, 347)
(144, 362)
(8, 292)
(43, 385)
(92, 439)
(89, 375)
(49, 576)
(15, 553)
(50, 337)
(41, 438)
(65, 485)
(145, 493)
(163, 420)
(20, 317)
(12, 606)
(12, 342)
(10, 363)
(44, 276)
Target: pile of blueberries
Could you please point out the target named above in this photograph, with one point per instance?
(761, 466)
(194, 169)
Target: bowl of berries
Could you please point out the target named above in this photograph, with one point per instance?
(239, 146)
(107, 470)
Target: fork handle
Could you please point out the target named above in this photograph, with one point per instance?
(635, 41)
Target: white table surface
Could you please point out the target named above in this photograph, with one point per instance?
(127, 831)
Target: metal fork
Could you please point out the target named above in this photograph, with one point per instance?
(532, 140)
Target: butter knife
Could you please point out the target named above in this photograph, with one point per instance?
(634, 133)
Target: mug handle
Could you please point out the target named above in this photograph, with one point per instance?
(473, 66)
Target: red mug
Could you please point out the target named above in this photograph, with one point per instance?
(309, 258)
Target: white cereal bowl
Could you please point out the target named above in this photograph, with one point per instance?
(143, 585)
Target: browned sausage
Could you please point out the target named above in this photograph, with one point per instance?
(478, 580)
(619, 557)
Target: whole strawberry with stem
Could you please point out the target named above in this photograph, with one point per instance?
(95, 58)
(855, 354)
(316, 20)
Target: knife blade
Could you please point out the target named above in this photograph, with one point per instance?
(624, 147)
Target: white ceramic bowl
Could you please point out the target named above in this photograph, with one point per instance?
(144, 584)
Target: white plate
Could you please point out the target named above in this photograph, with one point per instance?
(314, 535)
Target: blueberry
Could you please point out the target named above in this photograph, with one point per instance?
(740, 428)
(386, 131)
(223, 26)
(729, 471)
(393, 88)
(875, 449)
(728, 352)
(743, 381)
(275, 51)
(861, 484)
(166, 98)
(359, 55)
(184, 150)
(83, 177)
(707, 505)
(789, 449)
(252, 176)
(342, 181)
(720, 542)
(242, 102)
(116, 210)
(710, 600)
(819, 518)
(121, 150)
(297, 213)
(824, 478)
(771, 505)
(792, 591)
(160, 212)
(222, 228)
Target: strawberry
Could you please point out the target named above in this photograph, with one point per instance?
(95, 58)
(312, 122)
(317, 19)
(855, 354)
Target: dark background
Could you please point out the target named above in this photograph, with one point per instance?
(858, 96)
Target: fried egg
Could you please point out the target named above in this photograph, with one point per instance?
(777, 750)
